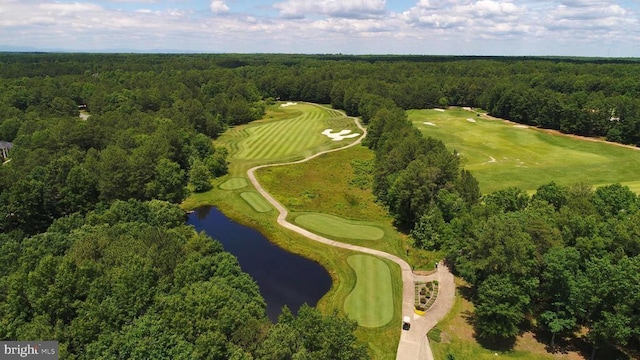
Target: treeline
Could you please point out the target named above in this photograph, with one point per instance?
(412, 173)
(131, 281)
(591, 97)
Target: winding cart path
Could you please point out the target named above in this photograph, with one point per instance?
(413, 344)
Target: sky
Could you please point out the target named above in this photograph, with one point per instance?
(431, 27)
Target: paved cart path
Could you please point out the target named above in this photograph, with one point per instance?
(413, 344)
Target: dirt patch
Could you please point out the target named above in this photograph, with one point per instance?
(424, 272)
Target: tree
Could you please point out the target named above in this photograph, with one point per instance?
(499, 246)
(553, 194)
(428, 231)
(113, 171)
(559, 290)
(199, 177)
(500, 308)
(508, 200)
(468, 187)
(612, 199)
(169, 182)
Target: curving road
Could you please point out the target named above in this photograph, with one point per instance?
(414, 344)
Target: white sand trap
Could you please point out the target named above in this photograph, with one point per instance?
(521, 126)
(466, 108)
(429, 123)
(491, 161)
(340, 135)
(288, 103)
(436, 109)
(471, 120)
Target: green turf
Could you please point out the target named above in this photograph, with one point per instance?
(371, 301)
(234, 184)
(298, 135)
(502, 154)
(257, 202)
(338, 227)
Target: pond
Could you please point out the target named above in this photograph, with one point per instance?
(284, 278)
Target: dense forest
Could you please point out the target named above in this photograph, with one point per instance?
(564, 259)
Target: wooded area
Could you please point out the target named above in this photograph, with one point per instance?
(76, 191)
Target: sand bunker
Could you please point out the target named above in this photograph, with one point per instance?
(429, 123)
(441, 110)
(471, 120)
(288, 103)
(521, 126)
(491, 161)
(340, 135)
(466, 108)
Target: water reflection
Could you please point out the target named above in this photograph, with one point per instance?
(283, 278)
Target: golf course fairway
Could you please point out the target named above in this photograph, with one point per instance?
(502, 154)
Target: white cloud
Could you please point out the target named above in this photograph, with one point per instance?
(219, 7)
(507, 27)
(355, 9)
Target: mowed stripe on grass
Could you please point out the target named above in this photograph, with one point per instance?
(371, 301)
(284, 138)
(337, 227)
(234, 184)
(256, 201)
(502, 154)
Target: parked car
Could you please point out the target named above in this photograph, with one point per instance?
(406, 323)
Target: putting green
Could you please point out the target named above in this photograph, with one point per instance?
(234, 184)
(370, 303)
(335, 226)
(256, 201)
(502, 154)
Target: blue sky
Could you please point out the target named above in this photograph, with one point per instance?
(437, 27)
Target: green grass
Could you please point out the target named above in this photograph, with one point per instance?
(234, 184)
(501, 154)
(297, 136)
(326, 185)
(371, 301)
(257, 202)
(338, 227)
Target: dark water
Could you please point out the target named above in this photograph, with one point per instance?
(283, 278)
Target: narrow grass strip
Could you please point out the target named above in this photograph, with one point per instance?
(256, 201)
(234, 184)
(338, 227)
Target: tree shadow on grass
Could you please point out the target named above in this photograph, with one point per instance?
(566, 344)
(489, 343)
(496, 343)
